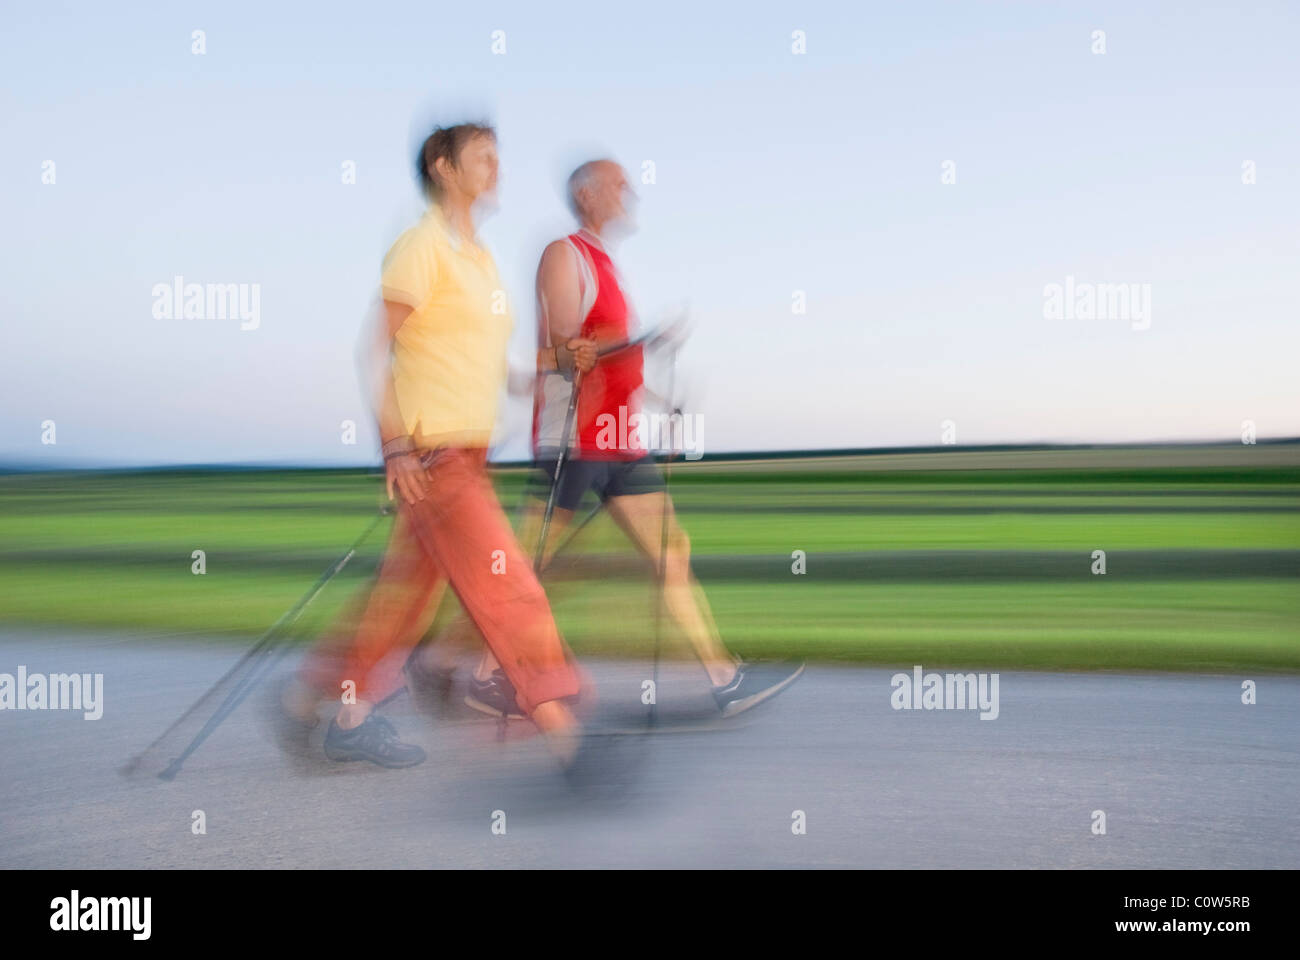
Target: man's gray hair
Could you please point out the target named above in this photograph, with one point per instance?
(579, 180)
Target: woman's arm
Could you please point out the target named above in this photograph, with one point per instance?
(401, 464)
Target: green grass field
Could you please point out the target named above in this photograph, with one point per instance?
(930, 559)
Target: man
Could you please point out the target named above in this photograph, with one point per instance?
(579, 295)
(442, 339)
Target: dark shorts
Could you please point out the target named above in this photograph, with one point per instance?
(607, 478)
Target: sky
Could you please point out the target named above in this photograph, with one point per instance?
(841, 293)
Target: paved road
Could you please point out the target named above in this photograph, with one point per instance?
(1187, 775)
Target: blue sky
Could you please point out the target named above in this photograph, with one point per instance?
(775, 172)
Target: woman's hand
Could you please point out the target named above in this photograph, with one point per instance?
(406, 474)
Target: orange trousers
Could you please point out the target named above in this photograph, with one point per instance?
(459, 535)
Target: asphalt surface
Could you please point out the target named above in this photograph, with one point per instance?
(1186, 774)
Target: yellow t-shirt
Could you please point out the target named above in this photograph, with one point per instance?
(449, 357)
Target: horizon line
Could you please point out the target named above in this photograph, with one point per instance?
(30, 467)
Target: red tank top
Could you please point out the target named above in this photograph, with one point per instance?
(606, 404)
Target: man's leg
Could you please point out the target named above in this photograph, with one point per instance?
(737, 686)
(642, 516)
(531, 528)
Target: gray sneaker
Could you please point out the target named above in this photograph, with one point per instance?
(374, 739)
(755, 682)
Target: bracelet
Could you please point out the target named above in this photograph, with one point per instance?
(398, 447)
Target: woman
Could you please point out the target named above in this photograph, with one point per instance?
(445, 330)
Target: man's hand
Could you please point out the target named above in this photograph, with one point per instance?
(577, 354)
(407, 475)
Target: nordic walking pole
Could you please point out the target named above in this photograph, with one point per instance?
(242, 687)
(569, 416)
(246, 683)
(577, 528)
(663, 536)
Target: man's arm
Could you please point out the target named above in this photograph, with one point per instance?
(559, 295)
(559, 298)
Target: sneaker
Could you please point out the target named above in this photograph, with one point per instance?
(374, 739)
(495, 695)
(755, 682)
